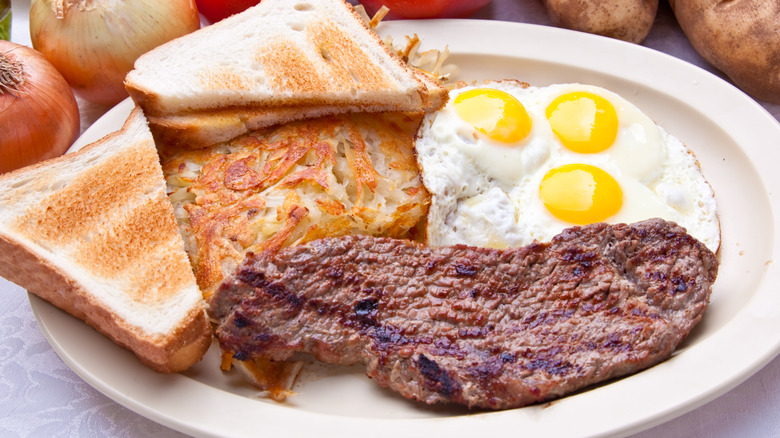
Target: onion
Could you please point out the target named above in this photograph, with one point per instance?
(94, 43)
(39, 118)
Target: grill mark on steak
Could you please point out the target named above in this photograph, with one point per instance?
(481, 327)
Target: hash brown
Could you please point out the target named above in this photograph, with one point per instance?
(293, 183)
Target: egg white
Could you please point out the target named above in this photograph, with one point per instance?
(487, 194)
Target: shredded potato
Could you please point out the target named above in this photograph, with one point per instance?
(294, 183)
(430, 61)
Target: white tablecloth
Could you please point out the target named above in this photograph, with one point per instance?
(41, 397)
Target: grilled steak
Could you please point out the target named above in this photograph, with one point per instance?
(481, 327)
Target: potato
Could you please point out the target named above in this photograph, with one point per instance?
(628, 20)
(739, 37)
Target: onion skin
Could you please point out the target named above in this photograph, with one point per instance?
(39, 119)
(95, 43)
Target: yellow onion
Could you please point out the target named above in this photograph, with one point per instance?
(94, 43)
(39, 118)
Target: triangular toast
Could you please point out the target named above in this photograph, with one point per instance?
(276, 62)
(93, 232)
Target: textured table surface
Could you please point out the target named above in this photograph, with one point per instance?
(41, 396)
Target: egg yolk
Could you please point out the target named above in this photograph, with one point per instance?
(580, 194)
(495, 113)
(584, 122)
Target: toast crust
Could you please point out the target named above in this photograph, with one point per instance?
(198, 130)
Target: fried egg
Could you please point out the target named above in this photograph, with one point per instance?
(508, 164)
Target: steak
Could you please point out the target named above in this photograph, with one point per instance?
(481, 327)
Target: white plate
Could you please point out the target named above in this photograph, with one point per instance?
(735, 140)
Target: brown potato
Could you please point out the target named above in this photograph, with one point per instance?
(628, 20)
(739, 37)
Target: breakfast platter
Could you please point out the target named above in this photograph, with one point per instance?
(732, 137)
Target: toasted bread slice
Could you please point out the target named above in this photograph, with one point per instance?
(93, 232)
(278, 61)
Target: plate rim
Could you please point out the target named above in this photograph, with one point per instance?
(755, 308)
